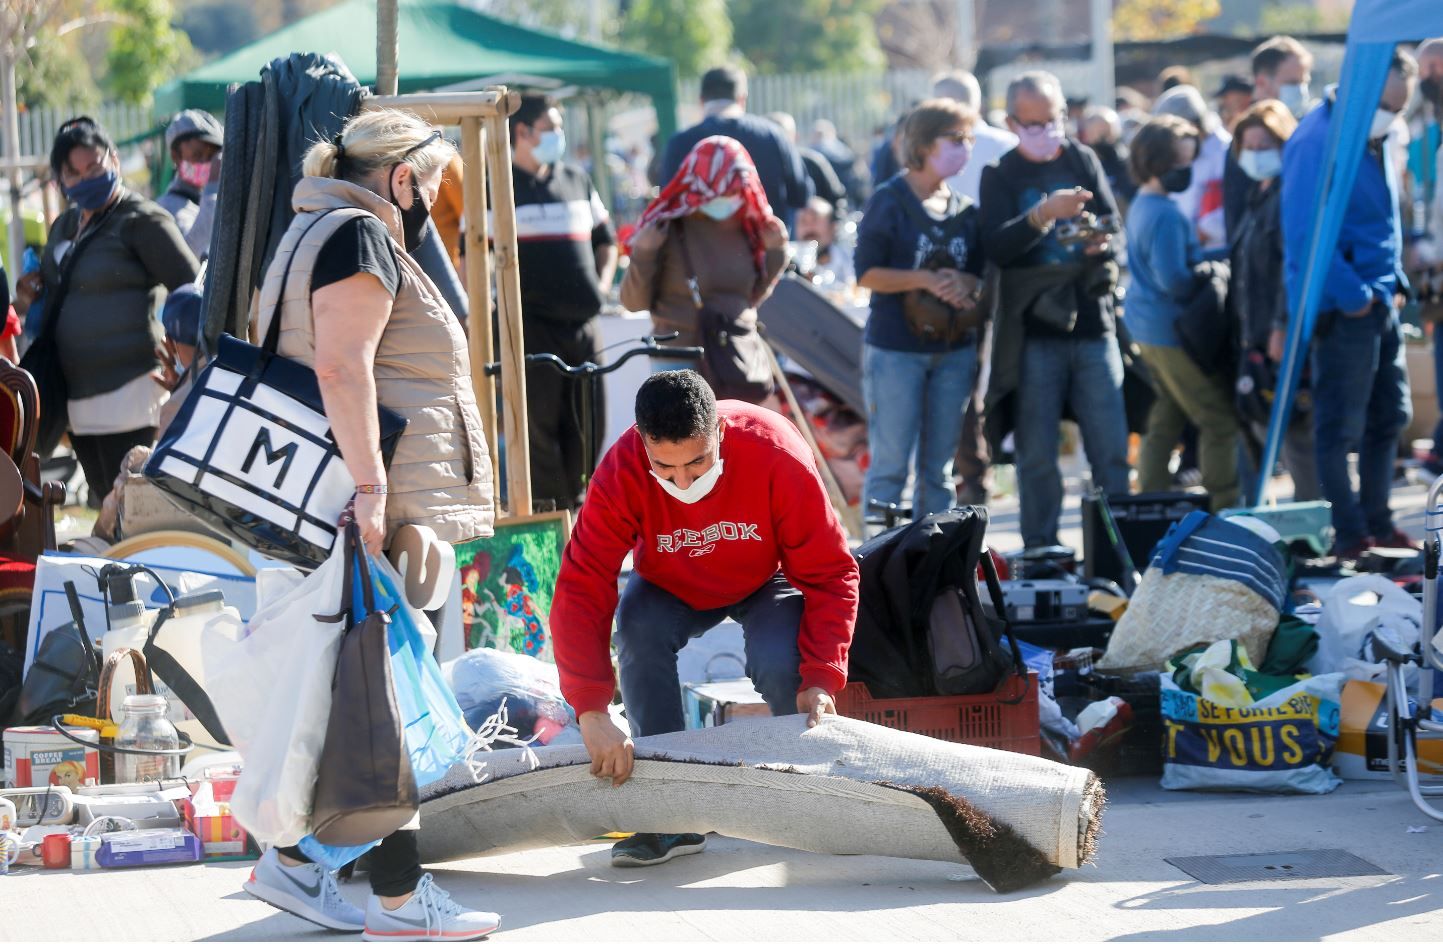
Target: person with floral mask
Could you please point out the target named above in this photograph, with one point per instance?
(1163, 250)
(106, 265)
(355, 306)
(1360, 391)
(706, 252)
(724, 514)
(566, 253)
(194, 139)
(1258, 294)
(1054, 350)
(919, 249)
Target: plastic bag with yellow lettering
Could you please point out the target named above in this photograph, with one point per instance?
(1279, 744)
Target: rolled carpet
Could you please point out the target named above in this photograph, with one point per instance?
(844, 788)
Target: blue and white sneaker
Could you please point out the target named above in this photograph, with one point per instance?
(429, 915)
(307, 891)
(645, 849)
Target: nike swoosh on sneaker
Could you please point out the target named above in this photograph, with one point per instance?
(312, 890)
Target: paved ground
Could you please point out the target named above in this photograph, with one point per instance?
(746, 892)
(740, 891)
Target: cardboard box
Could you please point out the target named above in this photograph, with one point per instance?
(709, 704)
(221, 837)
(1362, 749)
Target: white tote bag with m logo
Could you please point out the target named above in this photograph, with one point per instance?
(251, 453)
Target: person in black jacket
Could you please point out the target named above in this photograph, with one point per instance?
(1258, 293)
(824, 180)
(1055, 346)
(779, 166)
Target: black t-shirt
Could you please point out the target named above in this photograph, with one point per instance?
(362, 244)
(1010, 189)
(560, 222)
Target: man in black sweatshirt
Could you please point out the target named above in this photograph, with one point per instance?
(1055, 352)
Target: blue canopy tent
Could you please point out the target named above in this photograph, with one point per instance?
(1377, 26)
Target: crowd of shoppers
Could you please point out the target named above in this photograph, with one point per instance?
(1063, 233)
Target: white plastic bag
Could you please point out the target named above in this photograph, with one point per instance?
(1352, 610)
(272, 690)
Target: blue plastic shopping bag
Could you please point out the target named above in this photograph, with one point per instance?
(436, 733)
(435, 727)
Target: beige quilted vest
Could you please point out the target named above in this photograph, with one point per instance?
(440, 475)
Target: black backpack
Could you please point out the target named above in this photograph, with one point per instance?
(921, 629)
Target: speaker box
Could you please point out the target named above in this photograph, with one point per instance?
(1142, 520)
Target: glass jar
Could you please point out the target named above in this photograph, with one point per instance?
(144, 726)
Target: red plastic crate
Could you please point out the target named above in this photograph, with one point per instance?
(983, 720)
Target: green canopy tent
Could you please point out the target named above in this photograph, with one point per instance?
(442, 44)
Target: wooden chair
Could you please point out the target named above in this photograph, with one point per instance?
(27, 505)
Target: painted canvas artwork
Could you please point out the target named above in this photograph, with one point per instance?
(507, 582)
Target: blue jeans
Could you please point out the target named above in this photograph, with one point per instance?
(1360, 404)
(653, 625)
(1084, 374)
(915, 405)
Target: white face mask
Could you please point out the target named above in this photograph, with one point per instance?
(1382, 121)
(1295, 97)
(1261, 165)
(700, 487)
(722, 208)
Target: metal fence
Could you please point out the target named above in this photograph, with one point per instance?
(858, 104)
(38, 126)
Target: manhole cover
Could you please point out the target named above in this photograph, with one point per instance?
(1275, 866)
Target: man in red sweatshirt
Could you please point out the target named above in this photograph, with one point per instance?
(725, 515)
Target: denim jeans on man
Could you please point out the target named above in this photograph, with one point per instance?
(916, 403)
(1360, 404)
(1086, 375)
(652, 626)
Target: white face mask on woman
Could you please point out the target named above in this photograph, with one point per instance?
(1261, 165)
(700, 487)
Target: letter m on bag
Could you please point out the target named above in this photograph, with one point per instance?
(283, 456)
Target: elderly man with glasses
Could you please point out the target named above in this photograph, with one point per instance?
(1047, 213)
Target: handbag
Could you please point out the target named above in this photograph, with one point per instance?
(365, 787)
(928, 317)
(734, 357)
(42, 358)
(251, 452)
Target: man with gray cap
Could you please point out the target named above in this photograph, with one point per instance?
(194, 139)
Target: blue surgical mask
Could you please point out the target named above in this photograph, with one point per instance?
(1261, 165)
(722, 208)
(95, 193)
(551, 146)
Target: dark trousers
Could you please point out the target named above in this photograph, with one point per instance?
(653, 625)
(100, 457)
(553, 411)
(1360, 404)
(395, 864)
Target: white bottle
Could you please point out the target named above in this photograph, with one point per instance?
(200, 632)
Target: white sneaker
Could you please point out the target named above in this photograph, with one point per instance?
(306, 891)
(430, 915)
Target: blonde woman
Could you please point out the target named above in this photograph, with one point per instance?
(358, 309)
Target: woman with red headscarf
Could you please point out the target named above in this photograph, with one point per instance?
(705, 254)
